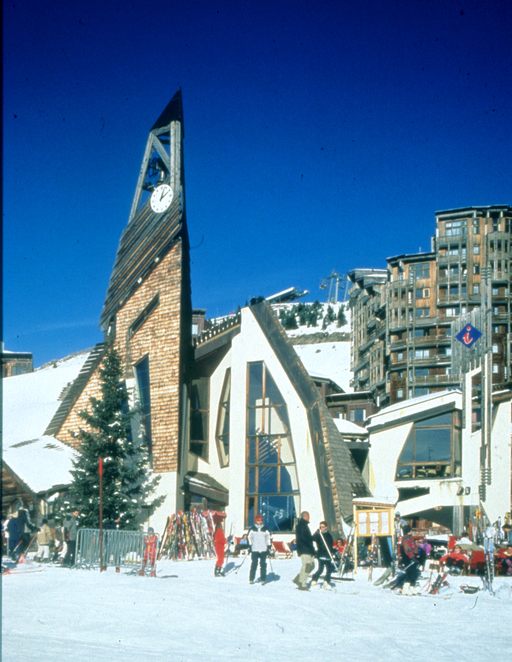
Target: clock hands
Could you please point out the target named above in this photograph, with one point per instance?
(161, 198)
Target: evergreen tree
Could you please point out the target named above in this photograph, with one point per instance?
(127, 483)
(302, 313)
(342, 320)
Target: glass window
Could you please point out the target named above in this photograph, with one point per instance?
(422, 312)
(144, 398)
(454, 228)
(432, 449)
(420, 270)
(272, 487)
(199, 416)
(222, 429)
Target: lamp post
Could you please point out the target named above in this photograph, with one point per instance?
(100, 514)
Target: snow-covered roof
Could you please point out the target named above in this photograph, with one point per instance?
(29, 403)
(404, 408)
(42, 464)
(348, 427)
(30, 400)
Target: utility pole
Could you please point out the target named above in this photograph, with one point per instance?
(486, 404)
(333, 283)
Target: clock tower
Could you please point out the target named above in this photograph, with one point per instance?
(147, 310)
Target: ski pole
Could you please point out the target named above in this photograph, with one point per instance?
(328, 550)
(241, 564)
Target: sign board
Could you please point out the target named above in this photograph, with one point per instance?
(468, 335)
(374, 522)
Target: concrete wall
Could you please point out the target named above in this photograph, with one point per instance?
(386, 444)
(248, 346)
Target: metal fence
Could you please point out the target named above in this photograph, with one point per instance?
(118, 548)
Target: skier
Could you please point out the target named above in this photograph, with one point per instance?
(409, 569)
(219, 542)
(306, 551)
(259, 543)
(70, 533)
(150, 545)
(324, 554)
(14, 532)
(44, 539)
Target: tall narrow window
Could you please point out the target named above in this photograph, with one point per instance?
(272, 487)
(199, 417)
(144, 398)
(222, 430)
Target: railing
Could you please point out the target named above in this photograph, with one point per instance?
(118, 548)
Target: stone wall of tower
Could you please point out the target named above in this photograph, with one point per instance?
(68, 432)
(160, 338)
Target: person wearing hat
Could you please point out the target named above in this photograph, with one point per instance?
(259, 541)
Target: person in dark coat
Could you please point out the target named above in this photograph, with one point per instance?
(70, 534)
(306, 551)
(324, 554)
(15, 532)
(409, 570)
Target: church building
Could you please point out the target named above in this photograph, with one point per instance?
(231, 419)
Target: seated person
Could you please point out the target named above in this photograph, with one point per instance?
(455, 561)
(242, 545)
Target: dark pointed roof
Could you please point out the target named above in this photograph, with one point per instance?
(173, 112)
(148, 237)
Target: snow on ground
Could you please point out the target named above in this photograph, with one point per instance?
(186, 614)
(328, 359)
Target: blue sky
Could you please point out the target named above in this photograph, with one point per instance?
(319, 135)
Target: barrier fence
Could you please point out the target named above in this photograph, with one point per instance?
(119, 548)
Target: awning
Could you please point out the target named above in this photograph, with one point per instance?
(206, 486)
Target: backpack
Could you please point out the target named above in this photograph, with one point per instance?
(409, 547)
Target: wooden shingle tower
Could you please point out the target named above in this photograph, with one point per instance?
(147, 310)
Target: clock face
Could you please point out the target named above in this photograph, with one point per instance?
(161, 198)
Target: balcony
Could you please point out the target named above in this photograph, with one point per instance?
(435, 380)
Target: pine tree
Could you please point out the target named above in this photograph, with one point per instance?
(342, 320)
(127, 483)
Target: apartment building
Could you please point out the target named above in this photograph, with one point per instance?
(404, 317)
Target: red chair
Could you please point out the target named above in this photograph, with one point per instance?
(281, 549)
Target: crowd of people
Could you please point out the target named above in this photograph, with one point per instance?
(318, 552)
(54, 543)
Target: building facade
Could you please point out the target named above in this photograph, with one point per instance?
(403, 318)
(426, 457)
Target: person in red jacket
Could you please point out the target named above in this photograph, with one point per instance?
(455, 560)
(219, 542)
(150, 549)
